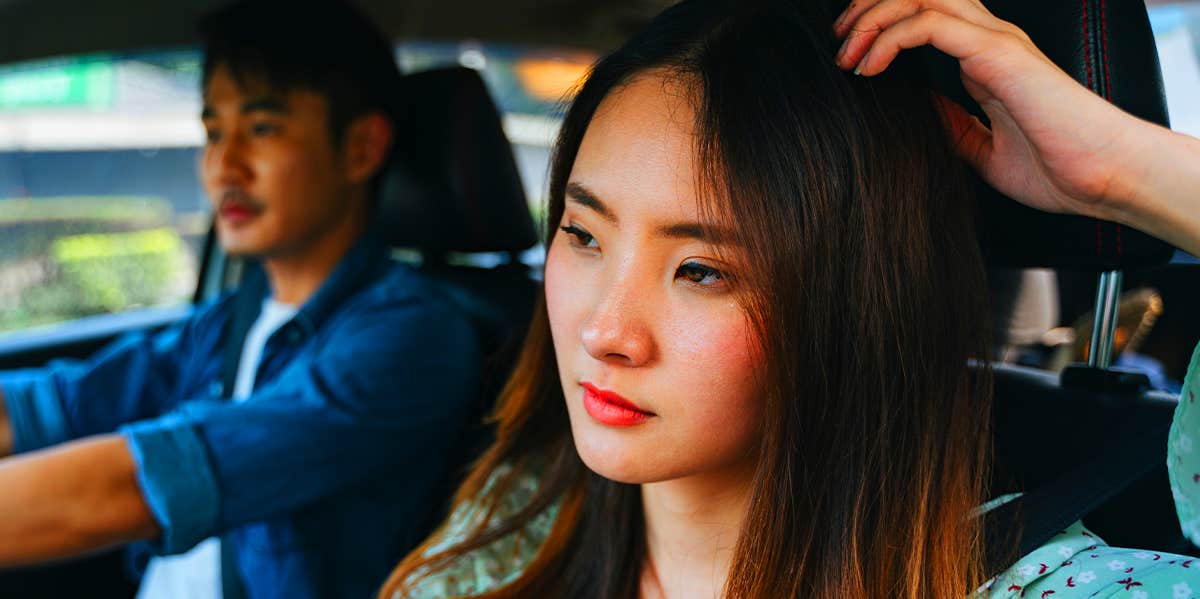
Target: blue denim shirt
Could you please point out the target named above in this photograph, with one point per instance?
(328, 472)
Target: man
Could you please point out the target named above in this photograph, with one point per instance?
(308, 466)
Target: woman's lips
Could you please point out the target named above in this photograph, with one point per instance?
(609, 408)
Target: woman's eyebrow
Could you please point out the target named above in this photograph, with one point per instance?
(698, 232)
(583, 196)
(580, 194)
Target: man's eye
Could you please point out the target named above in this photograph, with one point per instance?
(212, 135)
(263, 129)
(579, 237)
(699, 274)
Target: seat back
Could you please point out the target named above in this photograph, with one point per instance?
(453, 187)
(453, 190)
(1064, 448)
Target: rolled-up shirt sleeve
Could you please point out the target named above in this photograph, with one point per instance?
(377, 388)
(132, 378)
(176, 477)
(35, 412)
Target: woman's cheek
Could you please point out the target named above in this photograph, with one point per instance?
(560, 304)
(719, 357)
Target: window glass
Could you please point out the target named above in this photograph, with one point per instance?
(99, 201)
(100, 204)
(1177, 34)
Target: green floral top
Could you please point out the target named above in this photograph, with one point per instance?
(1075, 564)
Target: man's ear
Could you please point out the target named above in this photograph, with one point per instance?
(368, 139)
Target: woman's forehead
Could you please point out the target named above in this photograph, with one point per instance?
(638, 154)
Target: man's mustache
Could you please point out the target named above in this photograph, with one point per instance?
(239, 197)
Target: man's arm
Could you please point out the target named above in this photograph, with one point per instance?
(70, 500)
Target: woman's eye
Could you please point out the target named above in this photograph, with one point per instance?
(699, 274)
(579, 237)
(213, 136)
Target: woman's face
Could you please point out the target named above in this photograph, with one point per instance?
(656, 355)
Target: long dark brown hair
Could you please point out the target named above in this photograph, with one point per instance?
(868, 297)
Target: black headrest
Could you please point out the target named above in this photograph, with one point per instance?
(453, 185)
(1106, 45)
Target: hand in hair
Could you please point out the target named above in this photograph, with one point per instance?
(1053, 144)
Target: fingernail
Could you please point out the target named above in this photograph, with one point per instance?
(858, 69)
(841, 53)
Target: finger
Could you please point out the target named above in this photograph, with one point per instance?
(842, 25)
(959, 38)
(866, 28)
(968, 135)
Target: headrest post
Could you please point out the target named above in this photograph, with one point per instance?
(1104, 325)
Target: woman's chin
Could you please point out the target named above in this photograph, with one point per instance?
(619, 462)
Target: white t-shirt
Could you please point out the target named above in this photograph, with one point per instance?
(197, 573)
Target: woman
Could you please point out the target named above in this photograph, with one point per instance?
(748, 378)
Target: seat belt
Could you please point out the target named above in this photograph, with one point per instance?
(1040, 514)
(246, 308)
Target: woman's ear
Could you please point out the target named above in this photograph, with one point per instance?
(368, 139)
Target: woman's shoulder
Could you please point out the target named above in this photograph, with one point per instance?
(1076, 563)
(497, 563)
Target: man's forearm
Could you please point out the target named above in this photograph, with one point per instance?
(70, 500)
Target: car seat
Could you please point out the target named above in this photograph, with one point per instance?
(1090, 443)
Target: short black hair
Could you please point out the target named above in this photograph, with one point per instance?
(324, 46)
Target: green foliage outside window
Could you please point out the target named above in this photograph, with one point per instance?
(66, 258)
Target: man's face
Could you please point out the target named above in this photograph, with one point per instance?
(270, 168)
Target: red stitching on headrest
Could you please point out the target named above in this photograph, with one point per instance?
(1104, 51)
(1087, 44)
(1107, 82)
(1087, 63)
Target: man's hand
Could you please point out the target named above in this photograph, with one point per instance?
(70, 500)
(1053, 144)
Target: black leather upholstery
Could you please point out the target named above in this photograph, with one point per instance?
(453, 185)
(1106, 45)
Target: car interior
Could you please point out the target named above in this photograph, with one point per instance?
(456, 200)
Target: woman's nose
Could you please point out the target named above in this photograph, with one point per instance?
(618, 331)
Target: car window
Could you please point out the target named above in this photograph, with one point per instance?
(1177, 35)
(98, 195)
(100, 203)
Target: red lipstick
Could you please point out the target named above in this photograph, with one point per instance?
(611, 409)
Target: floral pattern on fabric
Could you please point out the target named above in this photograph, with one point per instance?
(1077, 564)
(1183, 458)
(494, 565)
(1073, 565)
